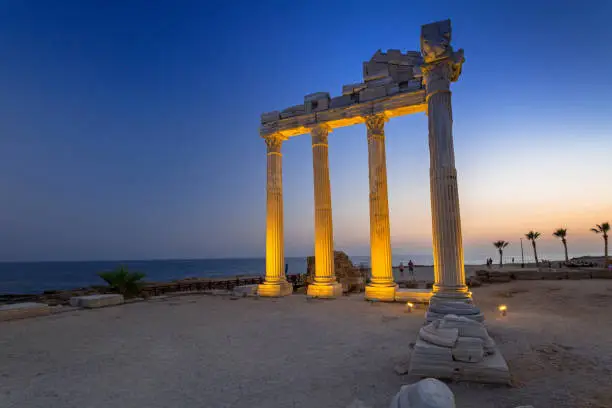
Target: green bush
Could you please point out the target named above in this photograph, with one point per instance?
(123, 282)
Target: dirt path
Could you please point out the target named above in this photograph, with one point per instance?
(204, 351)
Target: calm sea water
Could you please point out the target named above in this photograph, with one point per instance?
(35, 277)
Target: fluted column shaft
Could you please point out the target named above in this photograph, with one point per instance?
(449, 270)
(275, 252)
(380, 235)
(323, 229)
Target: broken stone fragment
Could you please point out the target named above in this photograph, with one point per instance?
(427, 393)
(372, 93)
(341, 101)
(469, 328)
(468, 349)
(352, 88)
(270, 116)
(445, 337)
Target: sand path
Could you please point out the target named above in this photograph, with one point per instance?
(205, 351)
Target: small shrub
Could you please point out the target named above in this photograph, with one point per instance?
(123, 282)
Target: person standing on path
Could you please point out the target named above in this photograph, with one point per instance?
(401, 269)
(411, 269)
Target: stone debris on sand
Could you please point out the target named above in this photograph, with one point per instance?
(96, 301)
(427, 393)
(458, 348)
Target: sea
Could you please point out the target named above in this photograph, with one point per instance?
(36, 277)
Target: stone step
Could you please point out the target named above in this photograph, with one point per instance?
(96, 301)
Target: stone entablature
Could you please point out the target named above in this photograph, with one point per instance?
(393, 85)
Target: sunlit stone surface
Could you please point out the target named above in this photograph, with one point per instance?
(276, 283)
(325, 284)
(382, 287)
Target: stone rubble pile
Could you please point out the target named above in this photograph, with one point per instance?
(347, 273)
(458, 348)
(427, 393)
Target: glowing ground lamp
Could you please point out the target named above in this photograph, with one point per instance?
(503, 309)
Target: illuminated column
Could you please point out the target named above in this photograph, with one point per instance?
(382, 287)
(443, 66)
(325, 284)
(276, 283)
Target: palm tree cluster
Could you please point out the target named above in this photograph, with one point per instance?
(560, 233)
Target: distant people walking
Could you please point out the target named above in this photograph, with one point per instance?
(401, 269)
(411, 269)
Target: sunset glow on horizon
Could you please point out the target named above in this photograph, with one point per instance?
(137, 138)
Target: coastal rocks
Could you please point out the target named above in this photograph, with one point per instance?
(427, 393)
(458, 348)
(96, 301)
(23, 310)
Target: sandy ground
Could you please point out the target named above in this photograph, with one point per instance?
(205, 351)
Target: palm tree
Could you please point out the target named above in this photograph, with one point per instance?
(532, 236)
(562, 233)
(500, 245)
(603, 229)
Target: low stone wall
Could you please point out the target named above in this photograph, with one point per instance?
(23, 310)
(500, 275)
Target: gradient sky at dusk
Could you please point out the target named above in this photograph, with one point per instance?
(129, 129)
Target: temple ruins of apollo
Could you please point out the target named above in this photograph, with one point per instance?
(394, 84)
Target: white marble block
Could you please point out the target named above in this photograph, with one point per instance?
(427, 393)
(95, 301)
(442, 350)
(23, 310)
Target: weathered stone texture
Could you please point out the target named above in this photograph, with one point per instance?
(427, 393)
(458, 348)
(96, 301)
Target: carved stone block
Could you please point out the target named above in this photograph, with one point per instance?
(372, 93)
(380, 82)
(341, 101)
(352, 88)
(292, 111)
(270, 116)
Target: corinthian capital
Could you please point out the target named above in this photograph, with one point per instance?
(320, 134)
(441, 62)
(376, 125)
(274, 142)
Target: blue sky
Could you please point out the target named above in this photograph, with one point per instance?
(130, 129)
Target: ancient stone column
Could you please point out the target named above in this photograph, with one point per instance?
(325, 284)
(275, 282)
(443, 66)
(381, 287)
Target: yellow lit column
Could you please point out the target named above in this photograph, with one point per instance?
(276, 283)
(325, 284)
(382, 287)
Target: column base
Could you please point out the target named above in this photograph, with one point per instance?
(328, 290)
(442, 304)
(380, 293)
(277, 289)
